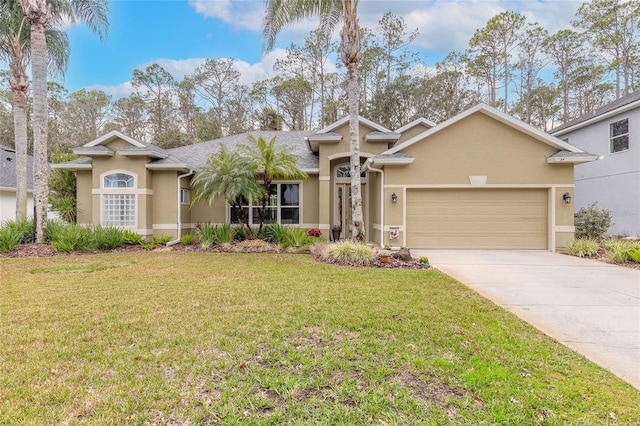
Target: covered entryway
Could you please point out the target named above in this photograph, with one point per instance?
(512, 218)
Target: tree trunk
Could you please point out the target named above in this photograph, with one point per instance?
(350, 38)
(38, 13)
(19, 87)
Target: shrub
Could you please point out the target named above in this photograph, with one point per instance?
(54, 227)
(206, 234)
(617, 250)
(275, 233)
(314, 233)
(592, 222)
(160, 240)
(131, 238)
(22, 226)
(9, 238)
(582, 247)
(350, 253)
(72, 238)
(635, 255)
(224, 234)
(107, 238)
(296, 237)
(187, 239)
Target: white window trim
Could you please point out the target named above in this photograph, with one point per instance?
(278, 207)
(117, 191)
(185, 196)
(611, 138)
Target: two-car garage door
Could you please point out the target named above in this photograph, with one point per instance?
(477, 218)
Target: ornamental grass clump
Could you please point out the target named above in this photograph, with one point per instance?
(206, 234)
(349, 252)
(617, 250)
(296, 237)
(72, 238)
(583, 247)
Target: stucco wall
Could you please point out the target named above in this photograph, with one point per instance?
(614, 181)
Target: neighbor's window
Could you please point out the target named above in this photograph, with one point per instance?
(619, 135)
(283, 206)
(119, 209)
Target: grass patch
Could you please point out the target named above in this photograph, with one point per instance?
(79, 268)
(207, 338)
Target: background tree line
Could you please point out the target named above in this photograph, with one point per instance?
(515, 65)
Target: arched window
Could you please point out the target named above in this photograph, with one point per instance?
(344, 171)
(119, 209)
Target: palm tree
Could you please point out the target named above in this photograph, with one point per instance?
(228, 175)
(281, 13)
(15, 49)
(44, 14)
(271, 162)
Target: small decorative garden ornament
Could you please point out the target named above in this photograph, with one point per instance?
(384, 255)
(424, 262)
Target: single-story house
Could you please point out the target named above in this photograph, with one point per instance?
(481, 179)
(613, 132)
(8, 181)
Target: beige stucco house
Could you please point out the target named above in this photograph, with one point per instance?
(481, 179)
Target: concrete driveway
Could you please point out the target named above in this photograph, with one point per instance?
(590, 306)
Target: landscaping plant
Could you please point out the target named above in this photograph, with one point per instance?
(349, 252)
(592, 222)
(582, 247)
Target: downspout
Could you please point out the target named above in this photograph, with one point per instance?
(179, 223)
(367, 165)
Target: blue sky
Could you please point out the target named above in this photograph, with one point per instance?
(180, 34)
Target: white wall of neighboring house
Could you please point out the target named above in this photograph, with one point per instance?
(614, 181)
(8, 204)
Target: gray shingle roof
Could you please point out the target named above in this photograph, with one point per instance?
(625, 100)
(197, 154)
(8, 168)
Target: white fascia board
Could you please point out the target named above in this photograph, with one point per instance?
(325, 138)
(142, 153)
(67, 166)
(112, 135)
(311, 171)
(574, 160)
(392, 161)
(620, 110)
(380, 138)
(151, 166)
(92, 153)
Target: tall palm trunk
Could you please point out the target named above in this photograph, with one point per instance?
(38, 13)
(19, 86)
(350, 38)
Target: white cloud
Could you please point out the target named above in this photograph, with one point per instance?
(249, 73)
(246, 14)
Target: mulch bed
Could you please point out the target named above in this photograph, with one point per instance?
(248, 246)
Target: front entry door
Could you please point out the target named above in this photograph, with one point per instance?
(343, 209)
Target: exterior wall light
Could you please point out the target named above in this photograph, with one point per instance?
(567, 198)
(394, 198)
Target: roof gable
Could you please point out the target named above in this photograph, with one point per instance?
(362, 120)
(113, 135)
(417, 122)
(496, 115)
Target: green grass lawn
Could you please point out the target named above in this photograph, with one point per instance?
(202, 338)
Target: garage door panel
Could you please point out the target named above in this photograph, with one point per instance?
(482, 218)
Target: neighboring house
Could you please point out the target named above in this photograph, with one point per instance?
(613, 132)
(479, 180)
(8, 184)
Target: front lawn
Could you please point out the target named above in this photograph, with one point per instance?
(217, 338)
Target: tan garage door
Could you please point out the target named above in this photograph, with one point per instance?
(477, 218)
